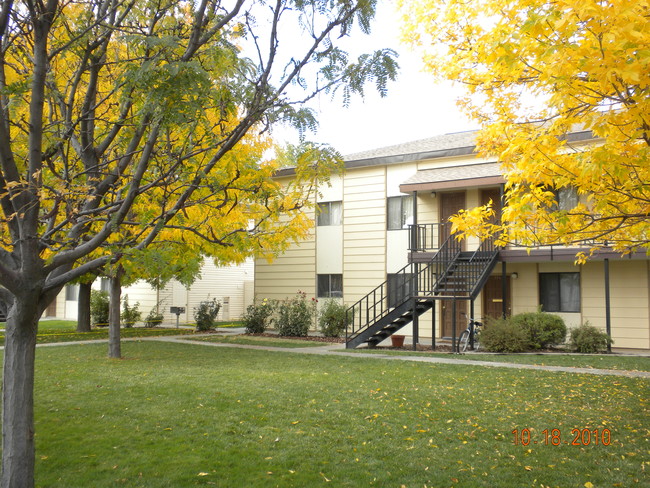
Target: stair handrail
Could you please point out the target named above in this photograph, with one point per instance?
(407, 287)
(486, 245)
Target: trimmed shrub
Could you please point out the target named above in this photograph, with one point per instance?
(99, 308)
(295, 316)
(154, 318)
(331, 319)
(130, 315)
(589, 339)
(502, 335)
(206, 313)
(543, 329)
(256, 318)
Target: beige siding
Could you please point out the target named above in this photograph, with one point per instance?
(427, 208)
(364, 231)
(141, 293)
(215, 282)
(226, 284)
(396, 250)
(293, 271)
(630, 303)
(223, 283)
(525, 288)
(452, 161)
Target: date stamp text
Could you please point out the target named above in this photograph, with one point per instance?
(555, 437)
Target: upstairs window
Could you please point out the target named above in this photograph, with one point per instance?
(330, 286)
(400, 212)
(329, 213)
(567, 199)
(559, 292)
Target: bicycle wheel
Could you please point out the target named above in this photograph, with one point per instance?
(463, 342)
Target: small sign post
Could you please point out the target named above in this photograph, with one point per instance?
(178, 311)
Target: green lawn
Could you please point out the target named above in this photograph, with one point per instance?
(65, 331)
(598, 361)
(182, 415)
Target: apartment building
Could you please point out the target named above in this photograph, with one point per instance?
(231, 285)
(381, 245)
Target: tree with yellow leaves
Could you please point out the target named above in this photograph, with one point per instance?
(126, 124)
(542, 77)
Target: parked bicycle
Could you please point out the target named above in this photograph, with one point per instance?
(472, 331)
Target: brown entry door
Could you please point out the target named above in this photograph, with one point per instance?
(448, 314)
(493, 194)
(493, 297)
(450, 204)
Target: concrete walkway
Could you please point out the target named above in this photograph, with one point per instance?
(339, 350)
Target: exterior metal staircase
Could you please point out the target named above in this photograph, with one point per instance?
(412, 290)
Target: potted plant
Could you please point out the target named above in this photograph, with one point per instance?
(397, 340)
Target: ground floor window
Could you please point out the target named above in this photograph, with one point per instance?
(330, 285)
(559, 292)
(400, 286)
(105, 285)
(72, 293)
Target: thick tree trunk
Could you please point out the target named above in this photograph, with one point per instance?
(18, 395)
(83, 310)
(114, 346)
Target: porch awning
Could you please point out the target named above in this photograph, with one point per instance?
(454, 177)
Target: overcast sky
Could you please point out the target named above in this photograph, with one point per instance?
(415, 108)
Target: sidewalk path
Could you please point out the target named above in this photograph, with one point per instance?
(339, 350)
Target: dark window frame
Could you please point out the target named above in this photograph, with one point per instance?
(72, 293)
(405, 211)
(566, 199)
(399, 286)
(324, 216)
(327, 285)
(560, 292)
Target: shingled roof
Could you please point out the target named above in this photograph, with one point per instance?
(456, 144)
(442, 146)
(454, 177)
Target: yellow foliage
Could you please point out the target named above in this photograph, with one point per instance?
(536, 71)
(206, 185)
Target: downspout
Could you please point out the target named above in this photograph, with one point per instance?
(608, 310)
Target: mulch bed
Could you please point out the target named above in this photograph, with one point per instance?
(336, 340)
(341, 340)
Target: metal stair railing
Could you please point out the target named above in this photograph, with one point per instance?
(426, 237)
(472, 271)
(412, 280)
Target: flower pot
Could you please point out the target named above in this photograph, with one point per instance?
(397, 340)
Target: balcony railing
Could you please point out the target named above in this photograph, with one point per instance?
(428, 237)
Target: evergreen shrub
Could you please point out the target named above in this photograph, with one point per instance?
(543, 329)
(99, 308)
(295, 316)
(130, 315)
(502, 335)
(257, 316)
(589, 339)
(205, 315)
(154, 318)
(332, 319)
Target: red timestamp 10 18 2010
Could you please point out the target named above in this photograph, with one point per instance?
(553, 437)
